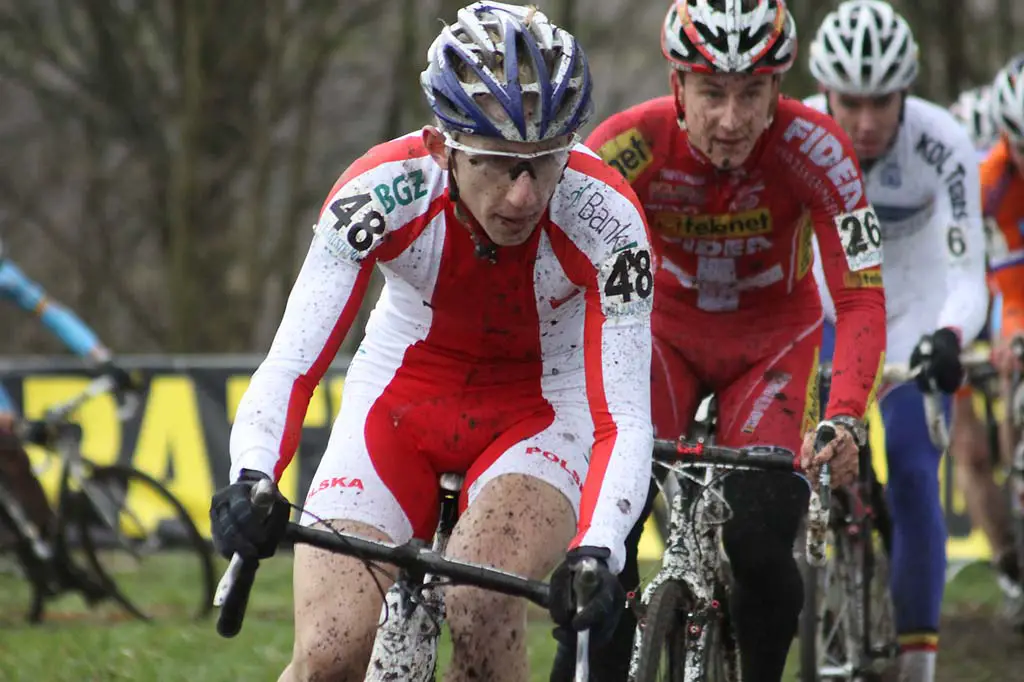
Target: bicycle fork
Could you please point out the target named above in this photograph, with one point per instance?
(406, 644)
(692, 558)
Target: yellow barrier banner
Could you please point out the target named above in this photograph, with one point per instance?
(180, 436)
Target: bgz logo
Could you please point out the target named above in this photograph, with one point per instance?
(402, 190)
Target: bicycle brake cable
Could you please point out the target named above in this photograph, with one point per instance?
(373, 568)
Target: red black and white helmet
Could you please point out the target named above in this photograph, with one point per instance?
(729, 36)
(1008, 99)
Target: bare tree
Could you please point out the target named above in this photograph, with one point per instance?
(190, 128)
(163, 161)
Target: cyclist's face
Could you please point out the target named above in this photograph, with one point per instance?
(871, 122)
(506, 194)
(726, 113)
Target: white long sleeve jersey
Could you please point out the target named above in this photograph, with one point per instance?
(564, 317)
(927, 194)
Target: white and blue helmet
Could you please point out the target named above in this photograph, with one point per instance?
(512, 54)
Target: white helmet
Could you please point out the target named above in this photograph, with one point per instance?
(1008, 99)
(973, 108)
(864, 48)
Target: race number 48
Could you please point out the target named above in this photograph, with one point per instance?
(861, 237)
(630, 273)
(362, 231)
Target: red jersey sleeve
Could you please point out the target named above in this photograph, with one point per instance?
(850, 239)
(626, 141)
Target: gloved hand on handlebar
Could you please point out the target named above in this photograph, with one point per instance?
(842, 453)
(238, 525)
(602, 611)
(123, 381)
(938, 356)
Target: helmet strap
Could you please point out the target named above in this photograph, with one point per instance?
(483, 247)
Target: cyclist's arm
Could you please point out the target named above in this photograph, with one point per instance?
(959, 217)
(1004, 242)
(827, 305)
(323, 302)
(618, 280)
(855, 282)
(64, 324)
(1008, 277)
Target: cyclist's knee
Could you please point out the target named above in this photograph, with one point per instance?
(337, 606)
(758, 558)
(517, 523)
(474, 613)
(967, 438)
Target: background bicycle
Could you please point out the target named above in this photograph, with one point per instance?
(847, 629)
(110, 520)
(684, 630)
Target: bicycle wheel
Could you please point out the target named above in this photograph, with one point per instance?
(847, 630)
(143, 545)
(22, 575)
(665, 636)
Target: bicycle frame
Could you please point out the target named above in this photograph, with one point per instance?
(406, 642)
(693, 555)
(63, 444)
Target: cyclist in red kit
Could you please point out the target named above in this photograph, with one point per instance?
(735, 180)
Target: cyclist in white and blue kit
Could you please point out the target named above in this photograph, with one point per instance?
(921, 171)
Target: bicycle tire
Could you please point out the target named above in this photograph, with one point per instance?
(807, 633)
(854, 645)
(665, 629)
(30, 569)
(118, 478)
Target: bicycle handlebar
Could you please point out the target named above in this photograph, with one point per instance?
(584, 585)
(232, 595)
(700, 453)
(128, 400)
(766, 458)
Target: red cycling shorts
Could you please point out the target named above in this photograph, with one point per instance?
(762, 368)
(393, 439)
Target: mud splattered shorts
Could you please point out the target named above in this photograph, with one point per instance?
(390, 443)
(763, 370)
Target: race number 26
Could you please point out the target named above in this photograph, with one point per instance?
(861, 237)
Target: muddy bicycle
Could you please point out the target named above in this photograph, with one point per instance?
(112, 522)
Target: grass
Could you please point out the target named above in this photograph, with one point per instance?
(78, 645)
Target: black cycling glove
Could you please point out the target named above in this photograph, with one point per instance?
(938, 356)
(239, 526)
(601, 613)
